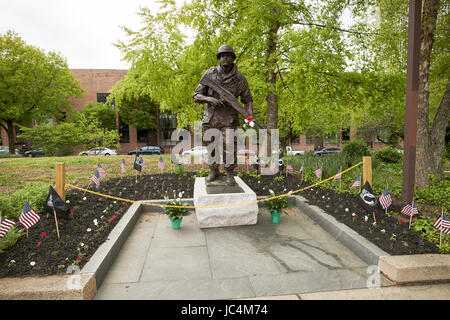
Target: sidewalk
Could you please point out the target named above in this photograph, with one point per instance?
(295, 259)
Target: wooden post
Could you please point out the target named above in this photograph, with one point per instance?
(367, 171)
(61, 179)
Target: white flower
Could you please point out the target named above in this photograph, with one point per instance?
(13, 261)
(115, 201)
(88, 230)
(271, 191)
(82, 244)
(95, 221)
(366, 218)
(84, 198)
(394, 235)
(32, 263)
(104, 211)
(323, 197)
(353, 214)
(346, 210)
(180, 195)
(374, 223)
(67, 201)
(290, 191)
(383, 231)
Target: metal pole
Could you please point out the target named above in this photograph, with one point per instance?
(412, 96)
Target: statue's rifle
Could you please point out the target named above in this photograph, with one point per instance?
(230, 99)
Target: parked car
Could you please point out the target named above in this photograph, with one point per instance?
(327, 150)
(291, 152)
(245, 152)
(35, 153)
(5, 150)
(99, 151)
(196, 151)
(147, 150)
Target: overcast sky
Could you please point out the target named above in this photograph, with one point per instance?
(83, 31)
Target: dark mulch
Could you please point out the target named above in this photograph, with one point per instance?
(80, 237)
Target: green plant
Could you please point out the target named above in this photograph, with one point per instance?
(388, 155)
(279, 178)
(202, 173)
(424, 226)
(356, 148)
(278, 203)
(35, 193)
(179, 170)
(435, 193)
(178, 212)
(10, 238)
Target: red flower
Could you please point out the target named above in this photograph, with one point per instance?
(79, 258)
(38, 244)
(43, 234)
(401, 220)
(90, 239)
(72, 210)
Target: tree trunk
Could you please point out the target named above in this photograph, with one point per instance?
(424, 161)
(11, 139)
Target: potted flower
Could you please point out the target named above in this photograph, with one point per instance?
(176, 214)
(276, 206)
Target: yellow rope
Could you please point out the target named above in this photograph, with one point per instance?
(213, 206)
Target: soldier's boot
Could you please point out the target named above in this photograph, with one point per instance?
(213, 174)
(230, 178)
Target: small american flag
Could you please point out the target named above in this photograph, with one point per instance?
(273, 165)
(319, 173)
(201, 160)
(101, 171)
(142, 164)
(338, 176)
(357, 183)
(161, 164)
(122, 165)
(410, 209)
(385, 199)
(442, 223)
(5, 225)
(301, 169)
(289, 167)
(28, 217)
(262, 163)
(96, 179)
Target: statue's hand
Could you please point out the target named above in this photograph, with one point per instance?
(216, 102)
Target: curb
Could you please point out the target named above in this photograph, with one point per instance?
(360, 246)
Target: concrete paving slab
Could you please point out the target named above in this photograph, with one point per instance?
(130, 261)
(413, 292)
(184, 263)
(188, 235)
(178, 290)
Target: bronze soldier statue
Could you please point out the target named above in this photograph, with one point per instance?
(219, 114)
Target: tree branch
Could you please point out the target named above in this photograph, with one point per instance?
(311, 24)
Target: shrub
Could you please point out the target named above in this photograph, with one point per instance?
(356, 148)
(435, 193)
(34, 192)
(180, 170)
(10, 239)
(388, 155)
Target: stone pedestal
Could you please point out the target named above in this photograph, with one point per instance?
(228, 215)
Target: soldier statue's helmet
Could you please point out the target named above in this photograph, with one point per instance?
(225, 49)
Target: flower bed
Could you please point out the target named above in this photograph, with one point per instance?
(92, 218)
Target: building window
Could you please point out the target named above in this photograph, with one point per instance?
(142, 135)
(167, 123)
(124, 132)
(101, 97)
(308, 140)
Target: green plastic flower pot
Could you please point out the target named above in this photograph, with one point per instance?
(275, 216)
(176, 223)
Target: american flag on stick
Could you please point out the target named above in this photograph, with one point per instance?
(301, 169)
(319, 173)
(338, 175)
(357, 183)
(161, 164)
(289, 167)
(385, 199)
(101, 172)
(96, 179)
(28, 217)
(122, 166)
(442, 223)
(5, 225)
(410, 210)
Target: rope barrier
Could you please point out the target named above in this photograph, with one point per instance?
(212, 206)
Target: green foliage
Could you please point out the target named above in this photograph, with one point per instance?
(101, 111)
(10, 238)
(388, 155)
(201, 173)
(34, 84)
(180, 170)
(435, 193)
(356, 148)
(34, 192)
(176, 213)
(276, 204)
(424, 226)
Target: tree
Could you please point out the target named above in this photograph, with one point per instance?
(101, 111)
(33, 84)
(387, 40)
